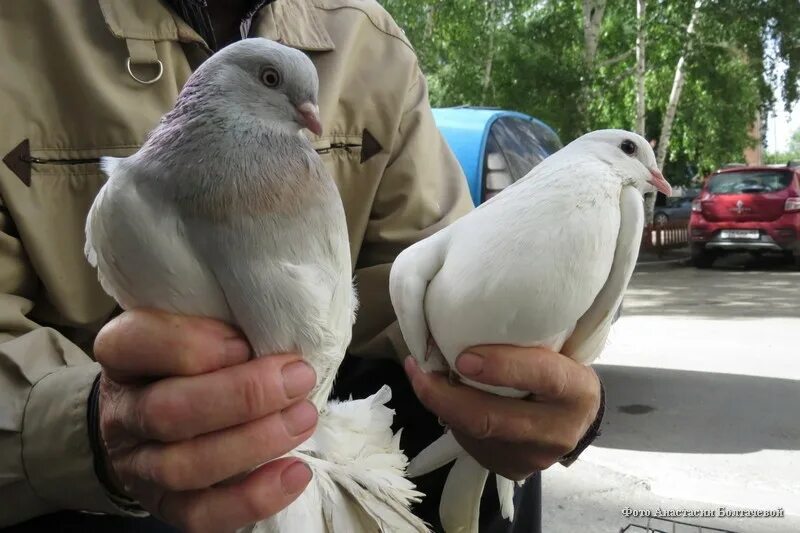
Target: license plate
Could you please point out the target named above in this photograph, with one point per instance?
(751, 234)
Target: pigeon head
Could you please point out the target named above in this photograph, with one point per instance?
(631, 155)
(263, 79)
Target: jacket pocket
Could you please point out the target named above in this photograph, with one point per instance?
(25, 164)
(50, 212)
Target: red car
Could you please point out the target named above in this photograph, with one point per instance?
(746, 209)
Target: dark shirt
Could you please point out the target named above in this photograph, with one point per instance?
(195, 13)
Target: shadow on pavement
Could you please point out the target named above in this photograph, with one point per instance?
(651, 409)
(740, 287)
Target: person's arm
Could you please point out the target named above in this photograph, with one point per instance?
(46, 463)
(422, 190)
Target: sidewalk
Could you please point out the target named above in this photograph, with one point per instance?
(676, 256)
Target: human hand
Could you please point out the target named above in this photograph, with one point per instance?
(182, 407)
(513, 437)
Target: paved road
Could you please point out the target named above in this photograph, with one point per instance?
(703, 381)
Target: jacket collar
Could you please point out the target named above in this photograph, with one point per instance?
(290, 22)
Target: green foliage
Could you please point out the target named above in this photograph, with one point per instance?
(794, 142)
(535, 48)
(784, 157)
(781, 158)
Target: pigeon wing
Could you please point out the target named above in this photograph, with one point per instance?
(137, 243)
(591, 331)
(411, 273)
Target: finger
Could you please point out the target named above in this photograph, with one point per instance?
(543, 372)
(511, 460)
(180, 408)
(222, 454)
(263, 493)
(482, 415)
(145, 343)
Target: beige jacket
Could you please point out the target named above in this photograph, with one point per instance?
(67, 98)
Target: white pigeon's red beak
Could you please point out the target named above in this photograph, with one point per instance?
(660, 182)
(310, 114)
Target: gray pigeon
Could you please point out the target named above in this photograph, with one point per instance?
(228, 212)
(543, 263)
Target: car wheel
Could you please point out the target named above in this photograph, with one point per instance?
(660, 219)
(701, 258)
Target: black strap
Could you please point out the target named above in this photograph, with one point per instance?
(591, 434)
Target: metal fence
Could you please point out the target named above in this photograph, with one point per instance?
(658, 238)
(666, 525)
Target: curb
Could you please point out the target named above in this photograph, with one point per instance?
(663, 262)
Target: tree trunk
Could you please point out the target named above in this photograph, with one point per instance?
(430, 13)
(672, 106)
(677, 87)
(641, 7)
(641, 17)
(593, 11)
(491, 27)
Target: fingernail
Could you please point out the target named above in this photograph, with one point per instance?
(295, 477)
(237, 350)
(299, 418)
(298, 379)
(469, 364)
(410, 366)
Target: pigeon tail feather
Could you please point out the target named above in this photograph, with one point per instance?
(461, 497)
(359, 481)
(443, 450)
(505, 493)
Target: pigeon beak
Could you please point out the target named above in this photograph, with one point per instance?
(310, 114)
(659, 182)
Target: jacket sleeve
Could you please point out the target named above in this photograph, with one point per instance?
(46, 463)
(422, 190)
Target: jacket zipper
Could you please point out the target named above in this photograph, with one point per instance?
(41, 161)
(338, 146)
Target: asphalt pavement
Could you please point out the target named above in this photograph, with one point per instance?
(702, 374)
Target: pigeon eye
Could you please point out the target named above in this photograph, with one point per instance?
(270, 77)
(628, 146)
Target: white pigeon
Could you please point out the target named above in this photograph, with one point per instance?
(228, 212)
(543, 263)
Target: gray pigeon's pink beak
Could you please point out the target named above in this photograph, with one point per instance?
(310, 114)
(660, 182)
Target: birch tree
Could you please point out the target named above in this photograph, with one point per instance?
(593, 11)
(672, 106)
(641, 16)
(573, 65)
(491, 27)
(677, 87)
